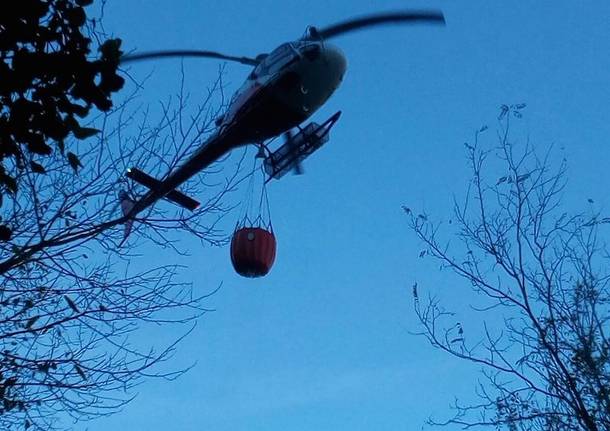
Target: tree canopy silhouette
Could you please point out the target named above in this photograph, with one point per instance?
(49, 81)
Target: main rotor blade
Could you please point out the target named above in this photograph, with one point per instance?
(186, 53)
(406, 17)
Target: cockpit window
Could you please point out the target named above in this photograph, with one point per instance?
(279, 58)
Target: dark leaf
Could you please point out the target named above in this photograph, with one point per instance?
(501, 180)
(76, 16)
(5, 233)
(71, 304)
(111, 50)
(37, 168)
(31, 322)
(84, 132)
(8, 404)
(10, 183)
(43, 368)
(37, 145)
(74, 161)
(80, 372)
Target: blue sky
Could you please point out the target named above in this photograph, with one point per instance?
(323, 342)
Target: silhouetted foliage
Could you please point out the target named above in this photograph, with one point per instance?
(541, 281)
(48, 81)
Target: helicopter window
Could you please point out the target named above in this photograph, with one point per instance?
(280, 53)
(281, 57)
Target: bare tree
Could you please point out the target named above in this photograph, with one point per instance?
(69, 300)
(541, 283)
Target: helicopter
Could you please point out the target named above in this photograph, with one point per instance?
(284, 89)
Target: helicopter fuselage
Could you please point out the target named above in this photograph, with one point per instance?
(282, 91)
(285, 89)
